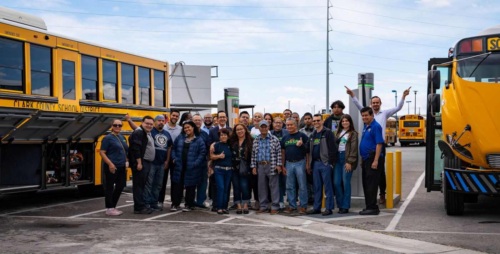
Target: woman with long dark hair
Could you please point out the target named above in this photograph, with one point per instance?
(241, 143)
(114, 151)
(188, 156)
(347, 160)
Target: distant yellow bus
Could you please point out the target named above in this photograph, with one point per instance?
(391, 129)
(411, 130)
(58, 98)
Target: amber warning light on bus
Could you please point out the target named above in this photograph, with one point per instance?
(471, 46)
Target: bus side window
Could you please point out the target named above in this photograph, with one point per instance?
(159, 80)
(11, 65)
(89, 78)
(109, 69)
(41, 70)
(144, 86)
(128, 80)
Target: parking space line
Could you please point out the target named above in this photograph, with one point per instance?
(439, 232)
(94, 212)
(399, 213)
(162, 215)
(224, 220)
(109, 219)
(49, 206)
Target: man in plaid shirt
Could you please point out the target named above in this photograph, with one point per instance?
(267, 164)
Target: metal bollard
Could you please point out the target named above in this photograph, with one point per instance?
(399, 175)
(389, 203)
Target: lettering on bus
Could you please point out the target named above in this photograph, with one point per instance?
(90, 109)
(68, 45)
(45, 106)
(12, 33)
(108, 55)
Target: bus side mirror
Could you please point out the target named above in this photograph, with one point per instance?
(434, 79)
(434, 102)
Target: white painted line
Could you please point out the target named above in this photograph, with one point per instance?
(307, 223)
(49, 206)
(439, 232)
(399, 213)
(353, 217)
(224, 220)
(115, 218)
(163, 215)
(94, 212)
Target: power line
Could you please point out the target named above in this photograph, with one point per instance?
(185, 32)
(232, 53)
(293, 76)
(267, 65)
(410, 20)
(218, 6)
(403, 42)
(159, 17)
(393, 29)
(376, 68)
(378, 57)
(442, 14)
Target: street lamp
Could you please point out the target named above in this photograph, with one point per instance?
(415, 101)
(408, 106)
(396, 101)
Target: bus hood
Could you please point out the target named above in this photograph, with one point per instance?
(477, 105)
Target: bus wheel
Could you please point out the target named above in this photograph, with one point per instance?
(453, 202)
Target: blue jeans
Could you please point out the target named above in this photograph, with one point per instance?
(153, 184)
(241, 189)
(322, 176)
(222, 179)
(342, 183)
(282, 186)
(201, 189)
(296, 173)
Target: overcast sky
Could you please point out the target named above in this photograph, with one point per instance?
(275, 51)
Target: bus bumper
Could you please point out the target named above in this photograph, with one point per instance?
(473, 181)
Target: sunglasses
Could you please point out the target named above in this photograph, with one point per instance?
(117, 125)
(314, 121)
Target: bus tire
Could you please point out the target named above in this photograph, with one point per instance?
(453, 201)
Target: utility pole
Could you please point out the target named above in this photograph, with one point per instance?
(327, 53)
(408, 106)
(415, 110)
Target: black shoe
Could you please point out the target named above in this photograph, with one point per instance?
(370, 212)
(213, 209)
(343, 211)
(220, 212)
(327, 212)
(233, 207)
(245, 211)
(313, 212)
(143, 211)
(225, 211)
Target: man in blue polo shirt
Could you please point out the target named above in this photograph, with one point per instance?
(370, 149)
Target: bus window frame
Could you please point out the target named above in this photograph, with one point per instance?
(104, 82)
(162, 74)
(22, 68)
(133, 85)
(139, 68)
(83, 78)
(50, 72)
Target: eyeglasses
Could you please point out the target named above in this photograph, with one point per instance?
(315, 121)
(117, 125)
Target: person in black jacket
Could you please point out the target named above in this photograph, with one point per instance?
(333, 121)
(141, 155)
(323, 156)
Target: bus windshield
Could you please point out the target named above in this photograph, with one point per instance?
(411, 124)
(480, 69)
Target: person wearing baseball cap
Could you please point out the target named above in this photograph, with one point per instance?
(266, 163)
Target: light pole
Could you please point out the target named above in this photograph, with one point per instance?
(415, 101)
(396, 101)
(408, 106)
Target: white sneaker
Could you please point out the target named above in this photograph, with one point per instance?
(118, 211)
(112, 212)
(186, 209)
(173, 208)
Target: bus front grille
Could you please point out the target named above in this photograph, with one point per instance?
(493, 160)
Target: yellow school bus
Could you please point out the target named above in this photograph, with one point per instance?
(411, 130)
(463, 148)
(391, 136)
(58, 97)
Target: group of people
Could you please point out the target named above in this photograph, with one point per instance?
(271, 158)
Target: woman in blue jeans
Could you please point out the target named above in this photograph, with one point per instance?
(241, 143)
(347, 140)
(222, 157)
